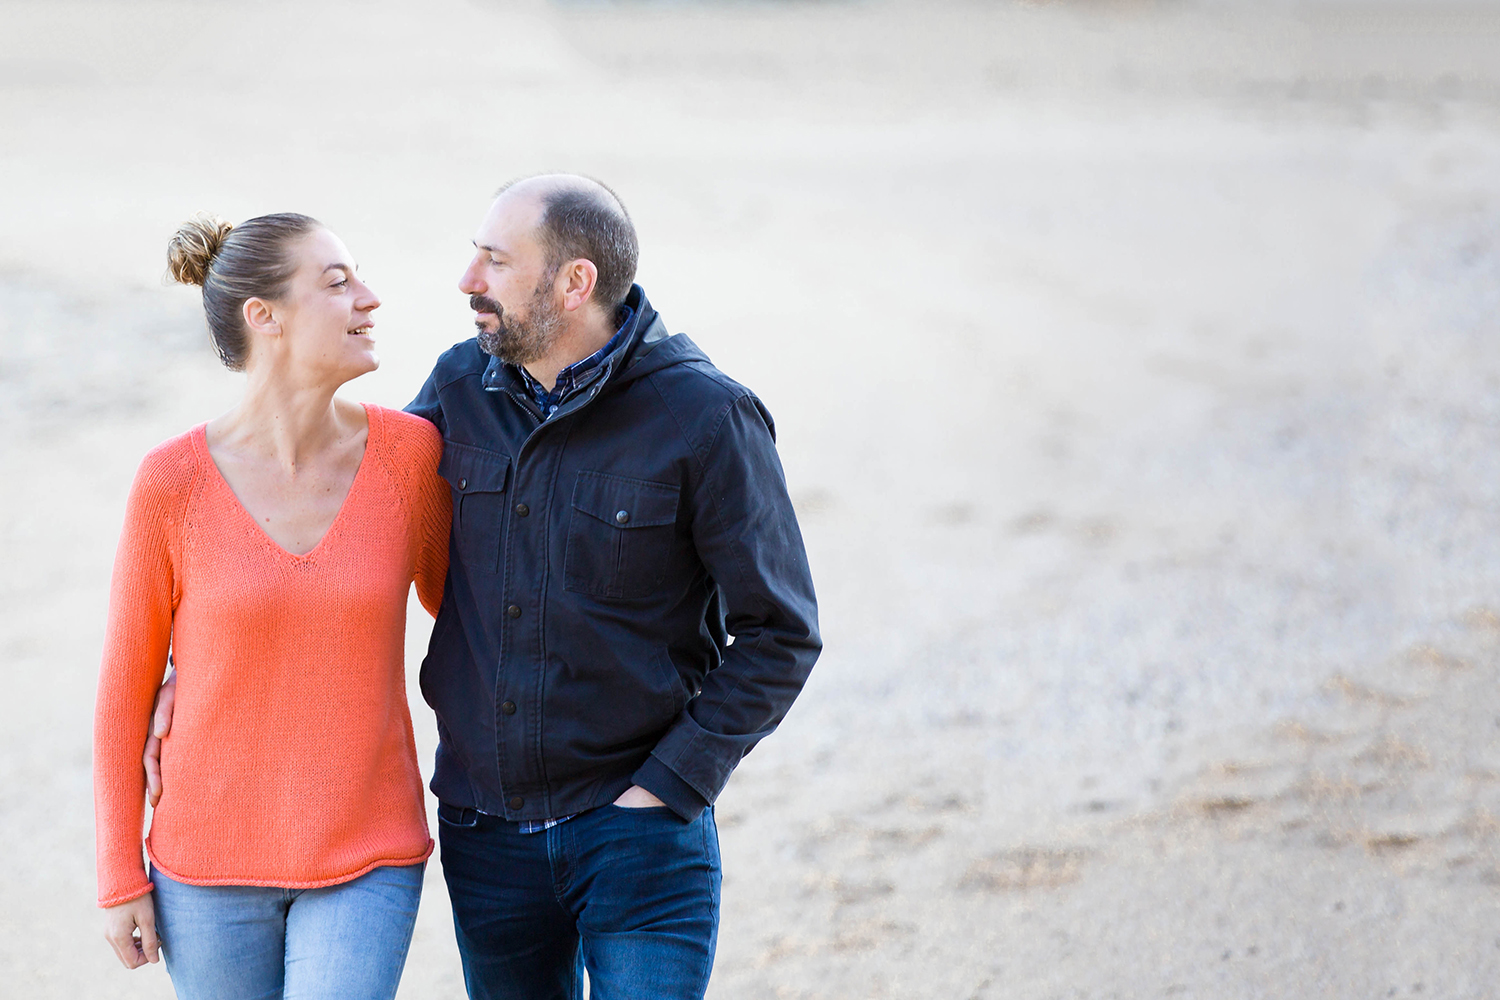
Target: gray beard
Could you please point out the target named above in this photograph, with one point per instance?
(521, 341)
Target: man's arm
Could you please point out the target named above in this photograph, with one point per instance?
(161, 725)
(427, 405)
(747, 537)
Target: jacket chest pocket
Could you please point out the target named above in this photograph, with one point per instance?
(619, 535)
(477, 477)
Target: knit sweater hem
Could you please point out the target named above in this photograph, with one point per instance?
(276, 883)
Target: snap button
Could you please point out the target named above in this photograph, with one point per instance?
(522, 510)
(463, 484)
(513, 611)
(622, 516)
(509, 708)
(516, 802)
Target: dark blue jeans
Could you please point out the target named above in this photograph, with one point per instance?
(630, 895)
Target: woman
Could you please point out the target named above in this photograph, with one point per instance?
(271, 551)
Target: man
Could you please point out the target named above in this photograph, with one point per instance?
(628, 611)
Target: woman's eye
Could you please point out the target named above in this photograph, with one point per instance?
(338, 284)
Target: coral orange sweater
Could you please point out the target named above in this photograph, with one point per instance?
(291, 760)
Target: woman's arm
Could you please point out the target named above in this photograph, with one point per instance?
(143, 596)
(434, 513)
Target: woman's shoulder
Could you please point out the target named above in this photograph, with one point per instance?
(165, 477)
(407, 435)
(173, 461)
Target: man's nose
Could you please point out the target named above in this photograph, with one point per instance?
(469, 283)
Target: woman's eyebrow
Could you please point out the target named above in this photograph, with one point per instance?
(341, 267)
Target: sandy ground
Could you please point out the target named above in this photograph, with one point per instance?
(1136, 378)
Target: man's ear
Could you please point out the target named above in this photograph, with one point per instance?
(260, 318)
(576, 280)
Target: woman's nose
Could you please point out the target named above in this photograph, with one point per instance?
(369, 301)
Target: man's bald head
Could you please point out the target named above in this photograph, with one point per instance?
(580, 218)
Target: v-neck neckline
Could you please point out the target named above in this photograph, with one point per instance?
(200, 437)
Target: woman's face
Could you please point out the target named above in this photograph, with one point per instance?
(325, 314)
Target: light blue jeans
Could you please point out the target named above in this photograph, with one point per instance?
(237, 942)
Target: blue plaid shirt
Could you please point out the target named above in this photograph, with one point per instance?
(569, 378)
(548, 402)
(538, 825)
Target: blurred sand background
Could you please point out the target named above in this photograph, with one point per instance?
(1136, 374)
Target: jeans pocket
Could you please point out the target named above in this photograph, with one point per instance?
(459, 816)
(644, 814)
(640, 809)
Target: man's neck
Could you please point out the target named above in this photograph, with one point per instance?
(572, 345)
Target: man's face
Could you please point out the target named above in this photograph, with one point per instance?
(517, 312)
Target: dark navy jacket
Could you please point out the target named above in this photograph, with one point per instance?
(628, 597)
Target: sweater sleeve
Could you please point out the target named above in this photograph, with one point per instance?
(434, 512)
(143, 597)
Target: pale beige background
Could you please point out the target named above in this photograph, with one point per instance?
(1135, 367)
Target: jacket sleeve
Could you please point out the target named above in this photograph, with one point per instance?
(747, 537)
(427, 405)
(142, 600)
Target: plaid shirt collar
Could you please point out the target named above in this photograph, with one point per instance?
(570, 377)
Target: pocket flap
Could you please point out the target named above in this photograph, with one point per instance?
(625, 503)
(473, 470)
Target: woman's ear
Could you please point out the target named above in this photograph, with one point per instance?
(260, 318)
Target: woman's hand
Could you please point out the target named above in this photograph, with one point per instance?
(130, 929)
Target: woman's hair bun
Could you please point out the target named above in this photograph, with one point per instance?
(194, 248)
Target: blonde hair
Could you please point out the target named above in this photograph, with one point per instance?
(234, 263)
(194, 246)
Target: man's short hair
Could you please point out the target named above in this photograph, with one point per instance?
(580, 220)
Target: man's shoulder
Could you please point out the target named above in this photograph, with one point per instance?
(462, 360)
(704, 401)
(694, 378)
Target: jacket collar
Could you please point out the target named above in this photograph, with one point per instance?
(643, 345)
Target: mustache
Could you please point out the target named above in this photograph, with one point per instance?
(479, 303)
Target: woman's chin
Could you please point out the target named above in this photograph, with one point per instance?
(365, 361)
(353, 369)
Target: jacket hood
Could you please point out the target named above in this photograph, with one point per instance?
(649, 347)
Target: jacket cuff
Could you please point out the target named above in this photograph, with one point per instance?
(661, 781)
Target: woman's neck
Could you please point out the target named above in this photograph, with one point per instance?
(288, 424)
